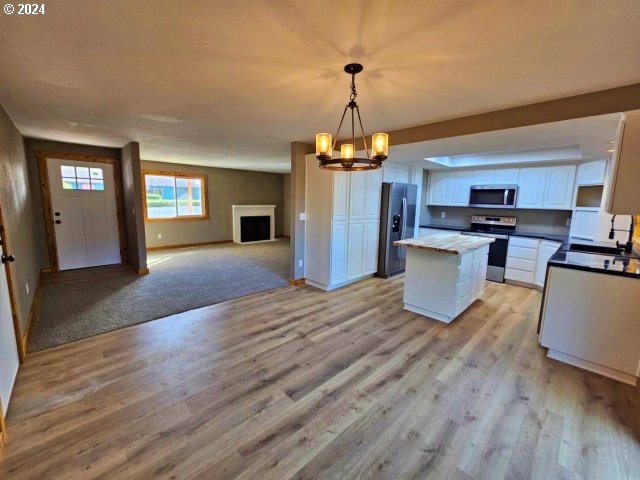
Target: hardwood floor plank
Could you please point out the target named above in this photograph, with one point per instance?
(300, 383)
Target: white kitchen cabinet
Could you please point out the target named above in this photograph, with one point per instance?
(506, 176)
(358, 195)
(591, 173)
(622, 181)
(531, 187)
(484, 177)
(439, 188)
(339, 247)
(585, 224)
(355, 252)
(372, 229)
(440, 285)
(460, 185)
(479, 272)
(341, 226)
(590, 320)
(521, 259)
(373, 193)
(559, 186)
(340, 196)
(545, 251)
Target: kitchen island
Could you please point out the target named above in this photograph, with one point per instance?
(445, 273)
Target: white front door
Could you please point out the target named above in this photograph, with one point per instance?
(83, 203)
(9, 359)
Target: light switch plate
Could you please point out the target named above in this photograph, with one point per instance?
(303, 216)
(443, 214)
(159, 236)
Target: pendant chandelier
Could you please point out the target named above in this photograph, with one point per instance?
(348, 161)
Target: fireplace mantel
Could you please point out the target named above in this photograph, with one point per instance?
(252, 211)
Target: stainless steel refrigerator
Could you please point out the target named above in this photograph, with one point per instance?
(397, 222)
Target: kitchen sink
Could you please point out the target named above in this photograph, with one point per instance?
(581, 247)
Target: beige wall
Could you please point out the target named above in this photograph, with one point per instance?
(18, 187)
(299, 150)
(286, 227)
(226, 187)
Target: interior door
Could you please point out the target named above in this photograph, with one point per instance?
(83, 203)
(9, 359)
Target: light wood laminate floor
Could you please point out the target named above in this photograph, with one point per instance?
(302, 384)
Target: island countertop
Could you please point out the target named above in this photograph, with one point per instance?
(445, 243)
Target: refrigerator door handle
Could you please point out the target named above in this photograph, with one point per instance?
(404, 217)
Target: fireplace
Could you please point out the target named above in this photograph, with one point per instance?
(253, 223)
(256, 228)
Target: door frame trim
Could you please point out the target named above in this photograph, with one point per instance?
(4, 249)
(46, 199)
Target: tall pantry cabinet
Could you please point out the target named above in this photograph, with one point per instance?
(342, 225)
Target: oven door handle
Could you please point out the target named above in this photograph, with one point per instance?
(490, 235)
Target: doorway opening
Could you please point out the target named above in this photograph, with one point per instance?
(82, 203)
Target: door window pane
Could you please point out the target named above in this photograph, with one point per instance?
(69, 184)
(96, 173)
(82, 172)
(68, 171)
(97, 184)
(83, 184)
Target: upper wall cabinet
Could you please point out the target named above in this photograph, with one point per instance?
(374, 193)
(460, 185)
(591, 173)
(538, 187)
(531, 187)
(506, 176)
(450, 188)
(484, 177)
(439, 186)
(341, 196)
(559, 183)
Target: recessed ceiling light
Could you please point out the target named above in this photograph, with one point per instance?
(611, 142)
(611, 150)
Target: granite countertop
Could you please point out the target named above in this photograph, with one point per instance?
(445, 243)
(516, 233)
(626, 265)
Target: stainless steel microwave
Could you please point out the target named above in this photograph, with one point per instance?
(493, 196)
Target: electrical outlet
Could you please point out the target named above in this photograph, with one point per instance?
(300, 263)
(443, 214)
(159, 236)
(303, 216)
(26, 286)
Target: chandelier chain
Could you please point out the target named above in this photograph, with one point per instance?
(354, 94)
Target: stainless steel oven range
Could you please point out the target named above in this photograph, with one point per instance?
(498, 228)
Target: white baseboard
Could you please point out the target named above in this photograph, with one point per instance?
(428, 313)
(593, 367)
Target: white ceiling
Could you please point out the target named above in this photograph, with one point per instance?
(579, 139)
(231, 83)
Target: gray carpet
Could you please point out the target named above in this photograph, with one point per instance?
(180, 280)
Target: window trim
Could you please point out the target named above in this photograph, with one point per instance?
(164, 173)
